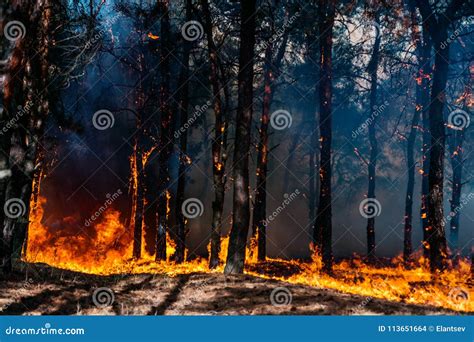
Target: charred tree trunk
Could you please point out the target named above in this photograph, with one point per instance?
(411, 164)
(425, 74)
(437, 26)
(372, 70)
(183, 85)
(219, 144)
(166, 143)
(259, 210)
(271, 71)
(25, 96)
(323, 226)
(241, 210)
(138, 174)
(423, 49)
(457, 155)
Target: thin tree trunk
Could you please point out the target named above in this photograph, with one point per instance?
(271, 71)
(219, 144)
(138, 200)
(259, 210)
(323, 226)
(241, 210)
(372, 70)
(165, 133)
(421, 92)
(183, 85)
(457, 166)
(425, 73)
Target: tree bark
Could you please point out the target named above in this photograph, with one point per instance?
(372, 70)
(219, 144)
(241, 210)
(323, 226)
(183, 85)
(437, 26)
(423, 50)
(271, 71)
(166, 143)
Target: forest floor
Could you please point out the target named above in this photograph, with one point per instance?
(43, 290)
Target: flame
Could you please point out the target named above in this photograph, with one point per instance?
(106, 248)
(152, 36)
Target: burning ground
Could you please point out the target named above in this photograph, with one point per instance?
(49, 291)
(144, 286)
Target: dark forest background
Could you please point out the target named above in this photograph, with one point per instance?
(186, 92)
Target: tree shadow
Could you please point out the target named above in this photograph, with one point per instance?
(172, 297)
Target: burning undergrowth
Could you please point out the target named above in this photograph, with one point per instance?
(104, 247)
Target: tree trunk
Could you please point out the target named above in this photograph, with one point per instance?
(271, 72)
(166, 143)
(411, 164)
(259, 210)
(323, 226)
(423, 50)
(436, 233)
(138, 200)
(183, 85)
(457, 139)
(372, 70)
(425, 73)
(241, 210)
(26, 88)
(219, 144)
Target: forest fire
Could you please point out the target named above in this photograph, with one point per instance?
(107, 249)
